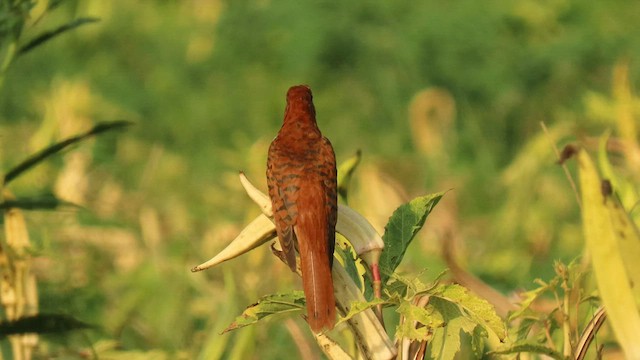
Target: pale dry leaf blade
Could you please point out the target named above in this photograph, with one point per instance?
(608, 265)
(258, 232)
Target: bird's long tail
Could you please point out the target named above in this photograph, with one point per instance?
(312, 233)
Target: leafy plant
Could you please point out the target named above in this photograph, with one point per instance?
(18, 16)
(440, 320)
(434, 314)
(19, 296)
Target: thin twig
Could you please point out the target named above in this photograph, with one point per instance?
(564, 166)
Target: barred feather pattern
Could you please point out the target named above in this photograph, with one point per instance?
(301, 177)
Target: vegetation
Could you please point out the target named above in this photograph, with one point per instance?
(438, 97)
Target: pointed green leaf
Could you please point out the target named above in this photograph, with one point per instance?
(524, 327)
(530, 296)
(402, 227)
(56, 148)
(603, 243)
(269, 305)
(42, 38)
(357, 307)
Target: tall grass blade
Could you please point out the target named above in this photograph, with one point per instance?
(56, 148)
(42, 38)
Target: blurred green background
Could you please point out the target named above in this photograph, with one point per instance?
(437, 95)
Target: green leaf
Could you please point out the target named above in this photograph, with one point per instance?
(41, 324)
(624, 189)
(607, 231)
(348, 262)
(268, 305)
(446, 341)
(478, 341)
(402, 227)
(42, 38)
(427, 316)
(410, 286)
(56, 148)
(345, 172)
(524, 327)
(476, 308)
(357, 307)
(528, 347)
(628, 241)
(531, 295)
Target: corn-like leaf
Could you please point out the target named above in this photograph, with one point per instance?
(607, 234)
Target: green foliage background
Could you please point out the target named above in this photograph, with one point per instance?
(205, 83)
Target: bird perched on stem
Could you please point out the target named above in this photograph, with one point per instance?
(301, 176)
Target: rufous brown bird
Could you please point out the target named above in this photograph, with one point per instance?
(301, 176)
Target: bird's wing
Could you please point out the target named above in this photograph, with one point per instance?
(282, 183)
(330, 186)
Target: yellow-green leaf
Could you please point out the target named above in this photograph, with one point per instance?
(601, 225)
(528, 347)
(402, 227)
(345, 172)
(446, 342)
(426, 316)
(357, 307)
(268, 305)
(474, 307)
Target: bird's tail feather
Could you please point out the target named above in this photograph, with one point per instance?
(311, 230)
